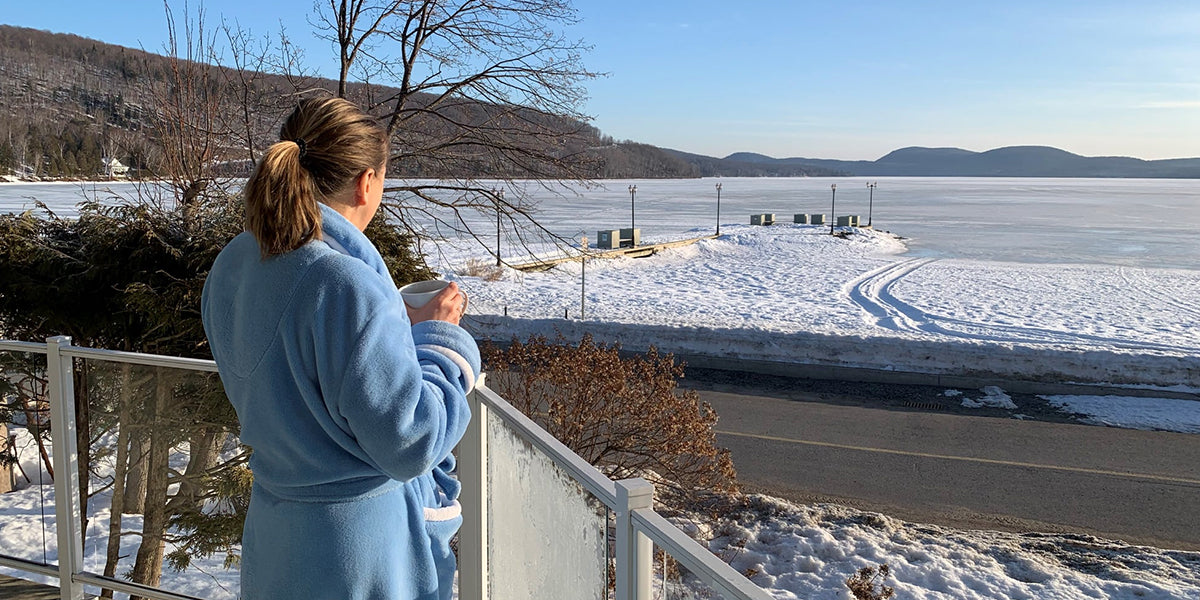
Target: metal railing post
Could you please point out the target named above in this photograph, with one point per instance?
(60, 375)
(635, 552)
(472, 471)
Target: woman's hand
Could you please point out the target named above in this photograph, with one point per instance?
(449, 305)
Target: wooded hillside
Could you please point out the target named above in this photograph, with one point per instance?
(66, 102)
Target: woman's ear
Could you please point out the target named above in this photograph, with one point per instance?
(362, 187)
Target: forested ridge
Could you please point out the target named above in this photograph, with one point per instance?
(67, 102)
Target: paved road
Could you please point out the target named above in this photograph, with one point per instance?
(968, 471)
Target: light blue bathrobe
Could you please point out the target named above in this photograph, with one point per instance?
(351, 412)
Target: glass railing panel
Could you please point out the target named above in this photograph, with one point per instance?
(547, 535)
(164, 454)
(27, 518)
(672, 580)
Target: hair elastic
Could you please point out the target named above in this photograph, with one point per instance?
(302, 145)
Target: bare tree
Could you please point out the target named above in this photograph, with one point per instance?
(477, 86)
(252, 82)
(192, 126)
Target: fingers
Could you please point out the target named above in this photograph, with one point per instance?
(455, 295)
(447, 292)
(448, 305)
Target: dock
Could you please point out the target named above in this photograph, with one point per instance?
(634, 252)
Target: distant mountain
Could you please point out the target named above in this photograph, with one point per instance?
(745, 164)
(1013, 161)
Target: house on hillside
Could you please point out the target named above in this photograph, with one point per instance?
(114, 168)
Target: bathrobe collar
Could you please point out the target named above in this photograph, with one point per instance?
(341, 235)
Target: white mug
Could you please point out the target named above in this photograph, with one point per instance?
(420, 293)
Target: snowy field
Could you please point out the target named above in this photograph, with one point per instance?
(794, 293)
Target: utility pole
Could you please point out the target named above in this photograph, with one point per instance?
(497, 197)
(718, 209)
(833, 208)
(871, 205)
(632, 210)
(583, 247)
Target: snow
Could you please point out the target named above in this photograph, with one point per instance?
(1090, 280)
(1165, 414)
(28, 531)
(794, 293)
(993, 397)
(803, 552)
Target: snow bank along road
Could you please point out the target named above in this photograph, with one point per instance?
(794, 294)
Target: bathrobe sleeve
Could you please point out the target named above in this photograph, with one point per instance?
(397, 390)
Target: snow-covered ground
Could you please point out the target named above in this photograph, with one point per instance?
(1163, 414)
(28, 529)
(794, 293)
(808, 552)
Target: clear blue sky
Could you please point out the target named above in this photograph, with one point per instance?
(846, 79)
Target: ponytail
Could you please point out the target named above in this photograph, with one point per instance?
(281, 202)
(327, 143)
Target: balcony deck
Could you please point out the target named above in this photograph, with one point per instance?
(20, 589)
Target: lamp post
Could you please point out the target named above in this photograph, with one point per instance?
(871, 205)
(833, 208)
(583, 248)
(497, 197)
(718, 210)
(632, 210)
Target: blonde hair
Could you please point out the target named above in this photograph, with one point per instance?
(326, 143)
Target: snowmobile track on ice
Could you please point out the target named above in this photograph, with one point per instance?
(873, 293)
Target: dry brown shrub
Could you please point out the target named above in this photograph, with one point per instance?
(623, 415)
(864, 587)
(482, 269)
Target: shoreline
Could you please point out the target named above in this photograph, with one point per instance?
(883, 359)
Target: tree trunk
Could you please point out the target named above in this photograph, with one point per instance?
(147, 568)
(83, 439)
(6, 471)
(124, 414)
(204, 451)
(135, 478)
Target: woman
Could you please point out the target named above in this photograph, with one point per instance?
(351, 400)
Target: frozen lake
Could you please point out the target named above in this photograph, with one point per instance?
(1127, 222)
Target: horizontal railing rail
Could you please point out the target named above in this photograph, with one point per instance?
(28, 566)
(713, 571)
(133, 589)
(637, 525)
(26, 347)
(134, 358)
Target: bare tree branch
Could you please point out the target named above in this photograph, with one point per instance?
(478, 86)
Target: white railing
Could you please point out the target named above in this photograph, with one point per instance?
(637, 526)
